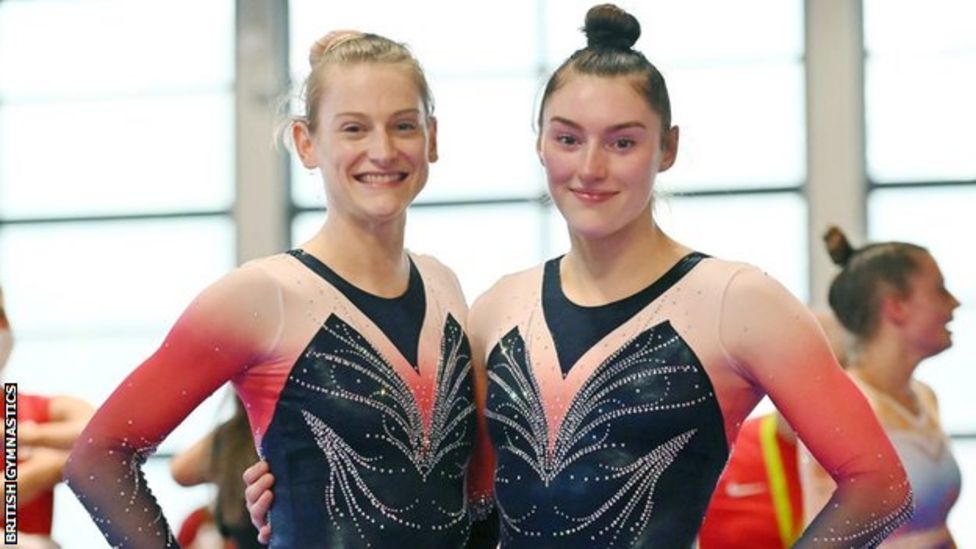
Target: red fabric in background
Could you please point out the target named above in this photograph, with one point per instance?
(35, 517)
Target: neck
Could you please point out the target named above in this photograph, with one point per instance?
(601, 270)
(368, 255)
(887, 365)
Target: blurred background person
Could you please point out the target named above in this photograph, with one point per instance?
(220, 458)
(47, 426)
(892, 297)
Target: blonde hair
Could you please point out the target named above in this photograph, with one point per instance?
(348, 47)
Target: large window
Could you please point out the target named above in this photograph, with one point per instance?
(116, 183)
(922, 175)
(920, 80)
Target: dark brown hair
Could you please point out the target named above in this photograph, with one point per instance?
(231, 453)
(866, 274)
(610, 35)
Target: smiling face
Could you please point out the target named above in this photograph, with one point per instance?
(927, 309)
(602, 146)
(373, 141)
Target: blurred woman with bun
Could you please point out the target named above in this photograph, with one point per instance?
(892, 297)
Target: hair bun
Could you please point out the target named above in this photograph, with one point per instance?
(838, 246)
(328, 42)
(608, 26)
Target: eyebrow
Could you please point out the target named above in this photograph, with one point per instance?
(397, 113)
(611, 129)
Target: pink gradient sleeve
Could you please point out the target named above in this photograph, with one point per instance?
(777, 345)
(231, 325)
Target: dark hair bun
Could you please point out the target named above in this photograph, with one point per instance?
(608, 26)
(838, 247)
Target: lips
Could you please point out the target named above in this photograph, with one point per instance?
(593, 196)
(380, 178)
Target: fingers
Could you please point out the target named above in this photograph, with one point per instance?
(254, 472)
(264, 534)
(256, 489)
(259, 508)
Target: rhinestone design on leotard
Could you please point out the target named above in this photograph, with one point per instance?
(644, 409)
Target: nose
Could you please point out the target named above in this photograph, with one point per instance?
(955, 302)
(594, 168)
(381, 148)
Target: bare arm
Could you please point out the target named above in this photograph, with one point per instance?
(68, 418)
(40, 472)
(192, 466)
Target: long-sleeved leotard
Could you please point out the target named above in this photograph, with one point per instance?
(926, 453)
(368, 447)
(623, 447)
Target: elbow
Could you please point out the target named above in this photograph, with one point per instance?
(901, 506)
(80, 465)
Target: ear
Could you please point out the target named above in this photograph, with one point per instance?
(538, 149)
(304, 144)
(893, 308)
(669, 148)
(432, 139)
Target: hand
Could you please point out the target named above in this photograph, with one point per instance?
(27, 433)
(258, 497)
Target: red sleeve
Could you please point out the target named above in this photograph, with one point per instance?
(229, 326)
(777, 343)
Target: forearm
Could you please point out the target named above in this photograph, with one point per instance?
(41, 472)
(862, 512)
(108, 480)
(60, 435)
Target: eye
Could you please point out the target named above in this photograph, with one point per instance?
(406, 126)
(567, 140)
(623, 143)
(351, 129)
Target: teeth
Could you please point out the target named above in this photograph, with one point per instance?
(379, 177)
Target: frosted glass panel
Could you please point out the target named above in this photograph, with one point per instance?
(304, 227)
(120, 155)
(920, 117)
(690, 31)
(941, 219)
(486, 140)
(767, 231)
(447, 36)
(760, 108)
(911, 27)
(121, 278)
(65, 48)
(480, 243)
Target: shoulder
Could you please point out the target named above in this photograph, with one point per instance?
(254, 288)
(433, 269)
(441, 283)
(519, 289)
(518, 285)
